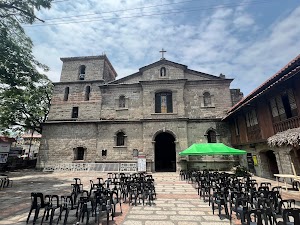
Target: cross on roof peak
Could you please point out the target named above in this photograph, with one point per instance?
(162, 51)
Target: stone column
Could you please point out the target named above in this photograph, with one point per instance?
(285, 158)
(278, 160)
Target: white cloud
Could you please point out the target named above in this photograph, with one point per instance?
(231, 40)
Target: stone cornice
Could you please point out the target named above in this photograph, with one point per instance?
(78, 82)
(134, 121)
(217, 81)
(65, 59)
(163, 81)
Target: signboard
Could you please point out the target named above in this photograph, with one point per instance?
(142, 164)
(4, 147)
(254, 157)
(3, 157)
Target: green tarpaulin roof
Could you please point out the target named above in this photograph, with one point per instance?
(211, 149)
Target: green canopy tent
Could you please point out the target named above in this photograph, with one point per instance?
(199, 149)
(211, 149)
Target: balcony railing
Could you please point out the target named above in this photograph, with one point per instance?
(290, 123)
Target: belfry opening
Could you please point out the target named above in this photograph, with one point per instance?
(165, 153)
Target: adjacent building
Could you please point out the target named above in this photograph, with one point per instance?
(266, 123)
(30, 142)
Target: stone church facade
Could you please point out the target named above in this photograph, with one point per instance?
(156, 112)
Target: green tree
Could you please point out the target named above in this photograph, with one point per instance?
(25, 92)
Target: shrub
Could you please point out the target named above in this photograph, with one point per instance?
(240, 171)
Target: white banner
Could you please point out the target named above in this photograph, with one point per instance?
(4, 147)
(141, 164)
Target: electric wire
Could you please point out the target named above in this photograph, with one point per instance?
(122, 10)
(147, 15)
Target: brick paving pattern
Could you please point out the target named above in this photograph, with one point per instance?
(177, 201)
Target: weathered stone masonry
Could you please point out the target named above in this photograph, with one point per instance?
(101, 117)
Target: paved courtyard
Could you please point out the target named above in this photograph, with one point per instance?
(177, 201)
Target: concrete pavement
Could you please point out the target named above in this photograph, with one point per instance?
(177, 201)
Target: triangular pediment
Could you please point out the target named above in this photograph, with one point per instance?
(173, 71)
(163, 62)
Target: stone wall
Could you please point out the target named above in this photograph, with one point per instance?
(101, 118)
(60, 139)
(194, 103)
(171, 73)
(94, 69)
(62, 110)
(151, 88)
(236, 96)
(110, 102)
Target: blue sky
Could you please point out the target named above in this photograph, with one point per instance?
(247, 40)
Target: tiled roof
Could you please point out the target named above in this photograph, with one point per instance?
(33, 136)
(291, 69)
(7, 139)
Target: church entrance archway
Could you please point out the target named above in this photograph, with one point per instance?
(272, 162)
(269, 164)
(165, 153)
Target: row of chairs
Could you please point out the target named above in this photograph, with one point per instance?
(102, 197)
(243, 196)
(5, 181)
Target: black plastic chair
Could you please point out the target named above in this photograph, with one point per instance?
(267, 205)
(37, 202)
(150, 193)
(134, 191)
(52, 205)
(284, 204)
(241, 207)
(287, 216)
(256, 217)
(277, 188)
(116, 199)
(66, 205)
(182, 175)
(5, 182)
(103, 204)
(266, 184)
(220, 199)
(85, 206)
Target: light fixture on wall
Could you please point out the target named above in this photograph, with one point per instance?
(104, 152)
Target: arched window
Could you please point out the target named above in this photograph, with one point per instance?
(82, 72)
(122, 101)
(207, 99)
(87, 93)
(66, 95)
(211, 136)
(120, 139)
(163, 72)
(163, 102)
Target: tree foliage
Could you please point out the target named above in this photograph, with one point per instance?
(25, 92)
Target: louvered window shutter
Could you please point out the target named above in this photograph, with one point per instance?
(280, 106)
(292, 102)
(253, 118)
(169, 103)
(157, 103)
